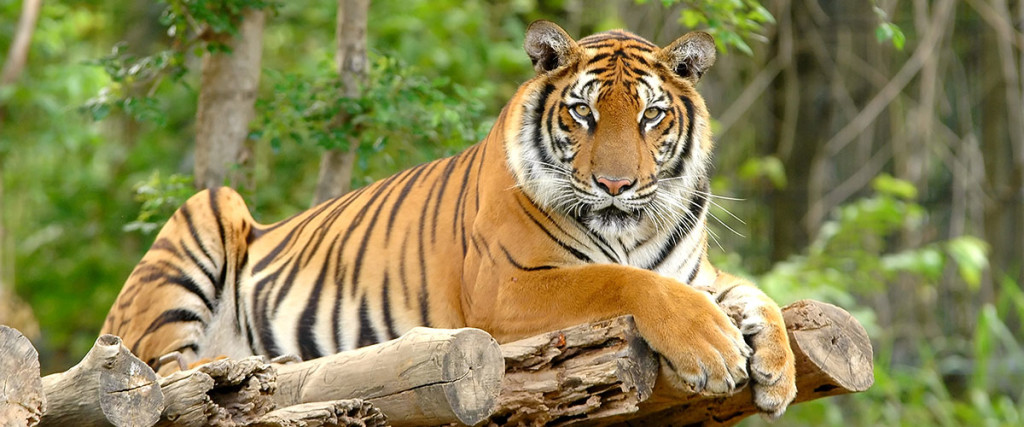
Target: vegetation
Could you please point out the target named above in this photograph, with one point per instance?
(869, 154)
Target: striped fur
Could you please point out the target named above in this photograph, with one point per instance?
(588, 199)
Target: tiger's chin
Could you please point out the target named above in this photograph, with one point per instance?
(611, 221)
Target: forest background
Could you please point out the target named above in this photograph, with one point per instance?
(870, 153)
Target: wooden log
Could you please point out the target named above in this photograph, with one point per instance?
(220, 393)
(352, 412)
(833, 356)
(583, 373)
(425, 377)
(22, 401)
(109, 386)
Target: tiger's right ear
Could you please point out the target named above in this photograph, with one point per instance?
(549, 46)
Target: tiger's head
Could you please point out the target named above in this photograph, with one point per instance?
(611, 130)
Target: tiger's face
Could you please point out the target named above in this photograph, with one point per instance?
(612, 132)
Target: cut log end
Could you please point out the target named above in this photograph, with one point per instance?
(109, 386)
(22, 401)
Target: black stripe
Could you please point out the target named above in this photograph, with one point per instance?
(218, 285)
(522, 267)
(187, 215)
(573, 251)
(536, 117)
(238, 303)
(460, 201)
(357, 263)
(360, 216)
(366, 334)
(339, 296)
(286, 286)
(403, 267)
(174, 315)
(262, 316)
(152, 273)
(385, 302)
(693, 274)
(446, 174)
(289, 239)
(677, 169)
(308, 347)
(694, 210)
(422, 258)
(195, 260)
(414, 179)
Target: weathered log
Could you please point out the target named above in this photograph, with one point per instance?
(22, 401)
(220, 393)
(833, 356)
(583, 373)
(109, 386)
(352, 412)
(602, 373)
(425, 377)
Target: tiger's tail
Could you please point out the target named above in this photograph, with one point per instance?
(185, 287)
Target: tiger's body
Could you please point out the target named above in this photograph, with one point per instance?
(587, 200)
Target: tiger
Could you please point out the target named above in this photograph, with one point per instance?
(588, 199)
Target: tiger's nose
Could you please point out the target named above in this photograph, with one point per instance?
(613, 186)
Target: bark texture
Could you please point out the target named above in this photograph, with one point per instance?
(229, 84)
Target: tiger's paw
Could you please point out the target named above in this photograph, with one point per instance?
(700, 349)
(772, 366)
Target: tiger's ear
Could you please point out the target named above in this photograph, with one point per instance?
(690, 55)
(549, 46)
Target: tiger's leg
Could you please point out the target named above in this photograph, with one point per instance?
(759, 318)
(181, 295)
(700, 347)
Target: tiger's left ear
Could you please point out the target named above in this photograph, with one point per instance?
(690, 55)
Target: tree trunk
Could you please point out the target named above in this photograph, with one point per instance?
(18, 53)
(227, 95)
(336, 164)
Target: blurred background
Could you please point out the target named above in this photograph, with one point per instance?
(870, 153)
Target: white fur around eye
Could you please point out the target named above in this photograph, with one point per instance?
(651, 117)
(582, 113)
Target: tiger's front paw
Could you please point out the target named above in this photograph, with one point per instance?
(699, 347)
(772, 366)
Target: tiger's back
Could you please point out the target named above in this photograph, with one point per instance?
(588, 199)
(350, 272)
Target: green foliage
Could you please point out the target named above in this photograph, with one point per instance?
(730, 22)
(888, 31)
(188, 21)
(137, 80)
(851, 260)
(160, 196)
(768, 169)
(400, 114)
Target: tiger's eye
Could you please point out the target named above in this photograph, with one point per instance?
(582, 110)
(651, 113)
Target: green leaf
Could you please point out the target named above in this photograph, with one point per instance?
(971, 256)
(692, 18)
(886, 184)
